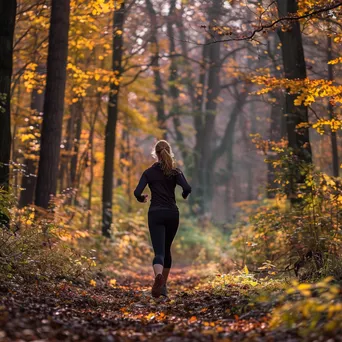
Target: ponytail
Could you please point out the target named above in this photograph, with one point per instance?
(163, 151)
(167, 162)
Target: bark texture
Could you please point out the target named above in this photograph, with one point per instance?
(54, 103)
(333, 135)
(28, 182)
(294, 68)
(205, 115)
(158, 82)
(110, 138)
(7, 24)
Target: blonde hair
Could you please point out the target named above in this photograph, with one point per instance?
(163, 151)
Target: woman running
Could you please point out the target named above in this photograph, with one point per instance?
(163, 215)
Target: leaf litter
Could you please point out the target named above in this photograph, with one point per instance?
(123, 310)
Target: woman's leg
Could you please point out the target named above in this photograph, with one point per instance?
(166, 272)
(170, 233)
(157, 232)
(158, 269)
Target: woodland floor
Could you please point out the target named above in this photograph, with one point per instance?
(126, 312)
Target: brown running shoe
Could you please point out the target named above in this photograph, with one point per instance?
(164, 291)
(157, 286)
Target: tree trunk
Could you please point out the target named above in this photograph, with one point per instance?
(214, 89)
(158, 82)
(278, 120)
(333, 135)
(294, 68)
(276, 134)
(196, 91)
(66, 154)
(205, 124)
(54, 103)
(196, 199)
(173, 80)
(226, 146)
(28, 182)
(108, 181)
(7, 24)
(69, 156)
(92, 122)
(129, 152)
(188, 80)
(78, 130)
(14, 149)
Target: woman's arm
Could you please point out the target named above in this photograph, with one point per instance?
(140, 188)
(181, 181)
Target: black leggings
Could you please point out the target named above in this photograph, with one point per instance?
(163, 225)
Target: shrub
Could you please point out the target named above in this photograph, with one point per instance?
(310, 308)
(33, 254)
(302, 235)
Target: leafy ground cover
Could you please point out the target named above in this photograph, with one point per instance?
(200, 308)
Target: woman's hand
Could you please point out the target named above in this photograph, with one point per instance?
(145, 198)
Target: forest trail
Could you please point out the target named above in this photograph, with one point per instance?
(125, 311)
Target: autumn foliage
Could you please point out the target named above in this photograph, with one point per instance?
(249, 95)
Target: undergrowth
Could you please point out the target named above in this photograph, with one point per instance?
(309, 310)
(35, 253)
(301, 235)
(312, 310)
(57, 244)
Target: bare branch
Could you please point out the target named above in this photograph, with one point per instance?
(262, 28)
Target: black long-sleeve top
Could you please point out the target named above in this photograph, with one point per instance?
(162, 187)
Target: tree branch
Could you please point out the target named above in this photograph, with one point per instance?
(268, 26)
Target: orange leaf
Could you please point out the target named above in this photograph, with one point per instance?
(193, 319)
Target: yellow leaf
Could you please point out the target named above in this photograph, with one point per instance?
(334, 290)
(150, 316)
(93, 282)
(306, 293)
(330, 326)
(328, 279)
(245, 269)
(304, 287)
(112, 282)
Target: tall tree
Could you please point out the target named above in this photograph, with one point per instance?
(174, 80)
(155, 63)
(206, 112)
(92, 123)
(333, 135)
(68, 162)
(110, 133)
(53, 103)
(294, 68)
(7, 23)
(28, 182)
(78, 111)
(277, 129)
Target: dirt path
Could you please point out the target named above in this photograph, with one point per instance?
(126, 312)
